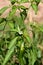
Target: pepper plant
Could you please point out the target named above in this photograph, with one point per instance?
(16, 45)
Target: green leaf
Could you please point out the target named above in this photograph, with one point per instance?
(11, 14)
(37, 27)
(8, 55)
(22, 7)
(37, 1)
(22, 47)
(11, 24)
(13, 1)
(22, 1)
(41, 28)
(35, 7)
(21, 53)
(19, 22)
(27, 37)
(32, 55)
(13, 11)
(2, 25)
(3, 10)
(39, 53)
(12, 43)
(1, 20)
(31, 1)
(10, 51)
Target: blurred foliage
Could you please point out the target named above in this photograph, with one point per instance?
(16, 45)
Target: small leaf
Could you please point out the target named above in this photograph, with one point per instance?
(1, 20)
(27, 37)
(22, 1)
(39, 53)
(13, 1)
(3, 10)
(35, 7)
(14, 8)
(12, 43)
(22, 7)
(37, 1)
(21, 53)
(19, 22)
